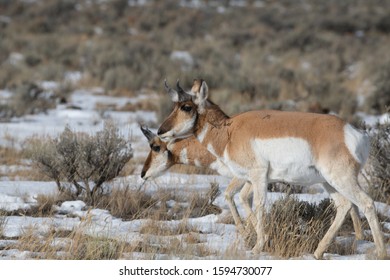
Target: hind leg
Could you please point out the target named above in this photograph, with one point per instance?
(366, 204)
(354, 212)
(342, 207)
(357, 223)
(347, 185)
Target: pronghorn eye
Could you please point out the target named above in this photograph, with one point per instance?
(156, 149)
(186, 108)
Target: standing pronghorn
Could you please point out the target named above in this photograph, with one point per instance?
(268, 146)
(190, 152)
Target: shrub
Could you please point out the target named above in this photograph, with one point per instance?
(299, 226)
(29, 98)
(83, 161)
(378, 169)
(381, 96)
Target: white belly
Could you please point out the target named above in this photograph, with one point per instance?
(304, 175)
(289, 160)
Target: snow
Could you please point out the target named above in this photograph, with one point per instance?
(86, 119)
(12, 203)
(373, 120)
(81, 115)
(71, 206)
(73, 77)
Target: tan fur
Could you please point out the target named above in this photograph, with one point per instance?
(324, 133)
(195, 151)
(322, 143)
(197, 154)
(196, 85)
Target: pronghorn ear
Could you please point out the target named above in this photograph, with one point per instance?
(201, 95)
(148, 134)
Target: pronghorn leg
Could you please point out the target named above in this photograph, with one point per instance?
(348, 186)
(258, 179)
(357, 223)
(342, 207)
(245, 194)
(366, 204)
(372, 218)
(231, 190)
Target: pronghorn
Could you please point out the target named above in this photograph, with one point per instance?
(268, 146)
(189, 151)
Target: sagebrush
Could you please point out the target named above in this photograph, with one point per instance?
(80, 163)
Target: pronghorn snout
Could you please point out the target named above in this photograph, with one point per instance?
(164, 132)
(161, 131)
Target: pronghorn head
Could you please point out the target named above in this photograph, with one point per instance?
(188, 106)
(159, 158)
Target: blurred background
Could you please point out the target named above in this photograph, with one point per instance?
(78, 76)
(320, 55)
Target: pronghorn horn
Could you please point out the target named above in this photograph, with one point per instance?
(180, 90)
(148, 134)
(172, 93)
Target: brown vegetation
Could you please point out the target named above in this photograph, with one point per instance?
(278, 55)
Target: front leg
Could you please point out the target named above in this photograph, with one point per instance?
(231, 190)
(245, 197)
(258, 178)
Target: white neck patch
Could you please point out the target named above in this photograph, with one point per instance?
(203, 133)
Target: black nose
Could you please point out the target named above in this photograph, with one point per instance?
(143, 174)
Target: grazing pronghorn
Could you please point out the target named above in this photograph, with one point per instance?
(189, 151)
(268, 146)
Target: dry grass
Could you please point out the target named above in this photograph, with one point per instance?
(299, 232)
(164, 205)
(43, 206)
(14, 160)
(295, 228)
(72, 245)
(181, 241)
(10, 156)
(128, 204)
(37, 245)
(3, 222)
(85, 247)
(162, 229)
